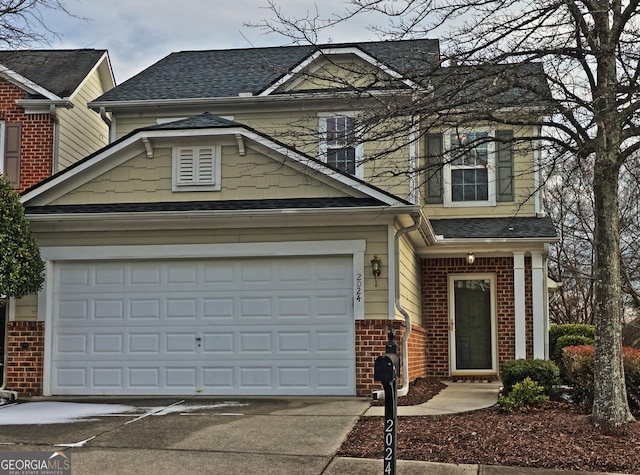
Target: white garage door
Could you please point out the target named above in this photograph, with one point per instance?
(279, 326)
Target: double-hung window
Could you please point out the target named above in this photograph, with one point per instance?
(339, 145)
(469, 166)
(196, 168)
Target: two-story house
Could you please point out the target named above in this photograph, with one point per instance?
(45, 124)
(243, 234)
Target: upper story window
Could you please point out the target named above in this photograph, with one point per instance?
(196, 168)
(469, 167)
(339, 142)
(469, 171)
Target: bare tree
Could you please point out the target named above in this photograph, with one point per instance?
(22, 22)
(588, 51)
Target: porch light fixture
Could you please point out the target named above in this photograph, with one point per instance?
(471, 258)
(375, 267)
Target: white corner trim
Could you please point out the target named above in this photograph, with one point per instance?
(540, 305)
(519, 306)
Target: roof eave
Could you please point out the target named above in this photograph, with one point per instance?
(231, 218)
(244, 99)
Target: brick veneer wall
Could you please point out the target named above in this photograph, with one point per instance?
(435, 317)
(36, 151)
(371, 338)
(25, 358)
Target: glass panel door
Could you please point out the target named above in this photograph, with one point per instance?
(472, 329)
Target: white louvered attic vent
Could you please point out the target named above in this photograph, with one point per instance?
(196, 168)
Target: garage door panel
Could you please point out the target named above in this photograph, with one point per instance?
(227, 327)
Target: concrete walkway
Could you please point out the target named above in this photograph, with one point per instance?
(456, 397)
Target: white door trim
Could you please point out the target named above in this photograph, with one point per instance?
(452, 333)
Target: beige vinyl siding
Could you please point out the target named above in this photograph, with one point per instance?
(410, 279)
(81, 130)
(26, 309)
(341, 71)
(249, 177)
(376, 298)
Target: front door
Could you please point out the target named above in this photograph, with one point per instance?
(472, 324)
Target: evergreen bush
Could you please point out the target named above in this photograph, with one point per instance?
(524, 396)
(543, 372)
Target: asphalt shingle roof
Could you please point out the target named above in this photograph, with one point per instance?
(503, 85)
(58, 71)
(496, 228)
(203, 121)
(228, 73)
(235, 205)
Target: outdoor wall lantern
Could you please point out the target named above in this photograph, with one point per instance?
(471, 258)
(375, 267)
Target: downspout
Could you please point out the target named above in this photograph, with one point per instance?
(379, 395)
(56, 138)
(107, 120)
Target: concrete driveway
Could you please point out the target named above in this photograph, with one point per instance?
(195, 435)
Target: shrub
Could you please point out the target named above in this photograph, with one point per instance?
(558, 331)
(543, 372)
(569, 340)
(524, 396)
(578, 362)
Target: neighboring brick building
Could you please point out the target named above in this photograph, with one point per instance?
(45, 126)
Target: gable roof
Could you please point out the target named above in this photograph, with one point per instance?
(207, 124)
(232, 72)
(59, 72)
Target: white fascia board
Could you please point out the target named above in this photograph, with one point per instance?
(154, 220)
(27, 84)
(455, 247)
(228, 100)
(101, 65)
(333, 51)
(491, 241)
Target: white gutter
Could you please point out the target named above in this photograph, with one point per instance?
(379, 395)
(110, 106)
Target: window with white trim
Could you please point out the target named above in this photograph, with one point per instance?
(339, 145)
(196, 168)
(469, 171)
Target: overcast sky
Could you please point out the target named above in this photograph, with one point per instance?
(138, 33)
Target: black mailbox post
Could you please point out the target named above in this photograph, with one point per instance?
(386, 370)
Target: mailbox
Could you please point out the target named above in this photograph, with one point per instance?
(386, 368)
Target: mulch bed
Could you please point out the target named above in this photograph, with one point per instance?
(557, 436)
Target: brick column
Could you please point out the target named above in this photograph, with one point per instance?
(25, 358)
(371, 338)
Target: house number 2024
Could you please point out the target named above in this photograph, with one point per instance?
(389, 447)
(359, 287)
